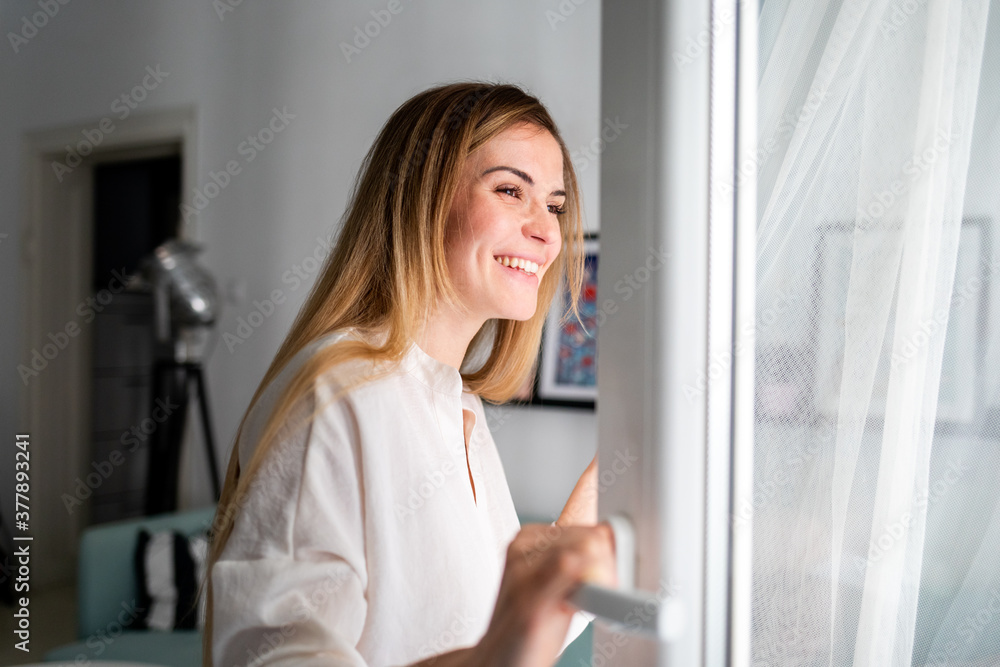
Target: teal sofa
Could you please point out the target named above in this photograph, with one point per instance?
(107, 592)
(106, 587)
(581, 651)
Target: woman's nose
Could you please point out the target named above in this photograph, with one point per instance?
(542, 225)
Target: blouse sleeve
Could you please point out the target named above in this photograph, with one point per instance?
(290, 586)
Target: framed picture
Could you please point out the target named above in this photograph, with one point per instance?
(962, 344)
(567, 367)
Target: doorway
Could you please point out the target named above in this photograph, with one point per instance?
(58, 266)
(135, 210)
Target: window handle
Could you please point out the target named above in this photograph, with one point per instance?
(626, 609)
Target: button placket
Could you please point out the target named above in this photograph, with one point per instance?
(468, 446)
(477, 438)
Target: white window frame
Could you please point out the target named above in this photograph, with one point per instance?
(681, 75)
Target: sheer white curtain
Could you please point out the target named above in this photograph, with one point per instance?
(864, 353)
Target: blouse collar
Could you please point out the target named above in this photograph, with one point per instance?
(435, 374)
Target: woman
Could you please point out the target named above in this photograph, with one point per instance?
(365, 518)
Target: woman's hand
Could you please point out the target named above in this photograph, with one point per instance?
(545, 565)
(581, 508)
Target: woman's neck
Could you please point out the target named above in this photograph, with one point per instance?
(446, 336)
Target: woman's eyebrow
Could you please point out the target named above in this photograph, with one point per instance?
(523, 176)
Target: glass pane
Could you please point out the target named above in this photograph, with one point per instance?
(875, 509)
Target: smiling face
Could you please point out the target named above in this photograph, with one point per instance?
(503, 231)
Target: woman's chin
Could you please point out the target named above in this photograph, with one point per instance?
(519, 314)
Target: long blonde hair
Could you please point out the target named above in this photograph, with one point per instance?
(388, 266)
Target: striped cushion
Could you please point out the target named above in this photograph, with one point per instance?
(169, 567)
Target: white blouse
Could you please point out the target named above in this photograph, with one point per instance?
(359, 541)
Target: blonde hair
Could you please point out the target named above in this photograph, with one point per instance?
(388, 267)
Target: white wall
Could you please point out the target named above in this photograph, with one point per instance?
(982, 194)
(233, 71)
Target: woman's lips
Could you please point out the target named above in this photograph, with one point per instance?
(519, 274)
(523, 263)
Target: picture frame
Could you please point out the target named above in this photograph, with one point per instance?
(961, 367)
(567, 365)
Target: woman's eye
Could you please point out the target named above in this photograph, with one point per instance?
(511, 190)
(558, 210)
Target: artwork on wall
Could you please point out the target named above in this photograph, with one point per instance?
(567, 367)
(960, 369)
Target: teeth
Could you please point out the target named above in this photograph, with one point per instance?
(527, 266)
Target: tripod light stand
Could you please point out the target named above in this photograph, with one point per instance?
(186, 304)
